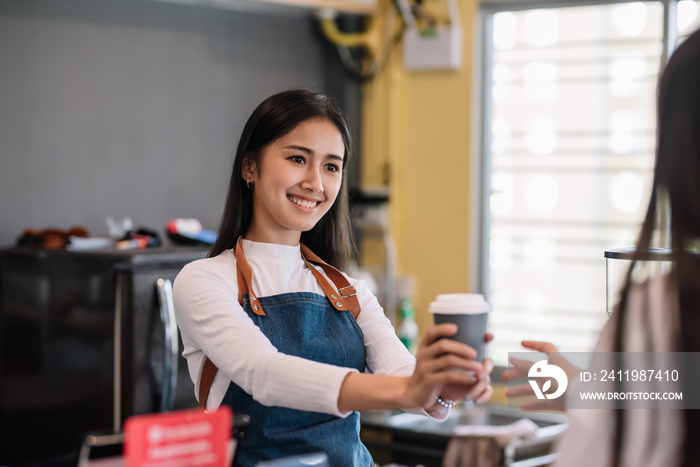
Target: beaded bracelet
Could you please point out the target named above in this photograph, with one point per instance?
(444, 403)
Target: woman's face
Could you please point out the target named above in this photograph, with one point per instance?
(297, 179)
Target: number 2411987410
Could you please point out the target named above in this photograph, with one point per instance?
(631, 375)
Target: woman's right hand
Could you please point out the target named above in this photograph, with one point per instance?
(435, 358)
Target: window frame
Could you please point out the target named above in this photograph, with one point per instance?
(482, 114)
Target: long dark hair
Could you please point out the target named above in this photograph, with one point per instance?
(675, 192)
(276, 116)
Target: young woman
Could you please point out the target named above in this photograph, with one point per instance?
(662, 313)
(299, 346)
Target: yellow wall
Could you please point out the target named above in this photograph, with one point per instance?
(420, 122)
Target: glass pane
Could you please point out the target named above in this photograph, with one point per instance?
(571, 160)
(688, 18)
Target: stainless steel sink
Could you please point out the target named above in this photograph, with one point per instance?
(484, 415)
(418, 437)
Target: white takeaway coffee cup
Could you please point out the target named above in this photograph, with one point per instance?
(469, 311)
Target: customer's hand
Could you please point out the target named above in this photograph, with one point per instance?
(520, 370)
(435, 358)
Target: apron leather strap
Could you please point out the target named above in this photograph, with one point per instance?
(245, 273)
(205, 381)
(343, 297)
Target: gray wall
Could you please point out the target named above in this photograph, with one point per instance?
(133, 108)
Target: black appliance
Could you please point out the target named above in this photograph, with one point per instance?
(86, 340)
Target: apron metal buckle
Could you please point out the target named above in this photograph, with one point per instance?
(352, 289)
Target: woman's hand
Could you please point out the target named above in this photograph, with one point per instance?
(433, 376)
(435, 360)
(521, 368)
(481, 391)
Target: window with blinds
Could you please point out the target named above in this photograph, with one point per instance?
(568, 155)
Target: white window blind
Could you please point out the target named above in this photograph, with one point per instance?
(569, 154)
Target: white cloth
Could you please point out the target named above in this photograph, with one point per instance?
(213, 324)
(652, 437)
(482, 445)
(502, 434)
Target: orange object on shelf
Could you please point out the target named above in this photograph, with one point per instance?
(51, 238)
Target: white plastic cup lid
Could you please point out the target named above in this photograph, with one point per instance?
(459, 304)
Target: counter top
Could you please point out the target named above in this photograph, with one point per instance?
(403, 438)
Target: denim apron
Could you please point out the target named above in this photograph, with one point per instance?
(306, 325)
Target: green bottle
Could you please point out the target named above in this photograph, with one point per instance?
(408, 331)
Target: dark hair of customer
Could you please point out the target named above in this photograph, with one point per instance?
(675, 190)
(279, 114)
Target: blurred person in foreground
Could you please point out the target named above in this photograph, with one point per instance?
(656, 314)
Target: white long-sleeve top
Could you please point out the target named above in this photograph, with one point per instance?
(213, 324)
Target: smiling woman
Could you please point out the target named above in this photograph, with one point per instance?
(305, 168)
(271, 328)
(295, 117)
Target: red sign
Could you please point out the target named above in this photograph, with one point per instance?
(179, 439)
